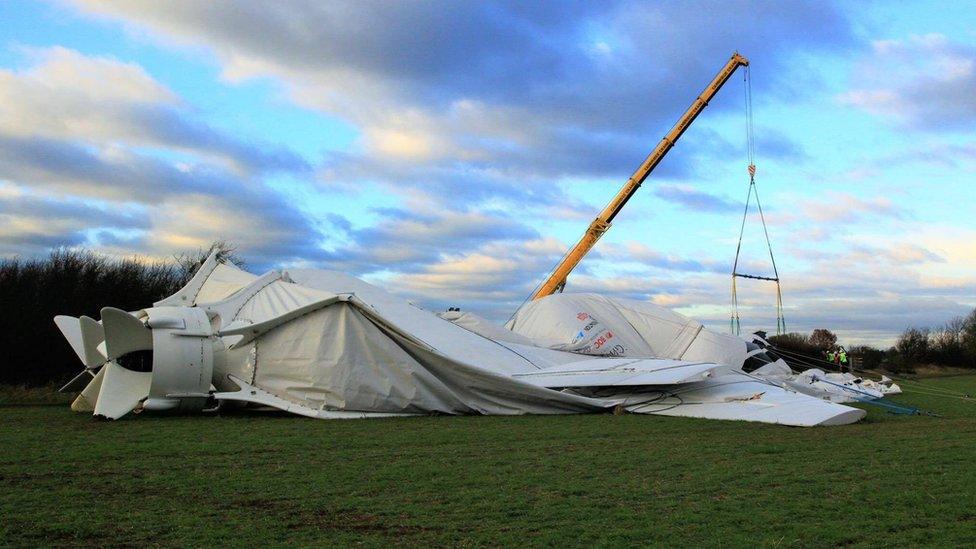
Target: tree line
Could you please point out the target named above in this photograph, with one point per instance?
(953, 344)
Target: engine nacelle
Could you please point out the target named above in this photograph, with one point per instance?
(154, 359)
(183, 356)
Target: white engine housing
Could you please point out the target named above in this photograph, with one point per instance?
(183, 356)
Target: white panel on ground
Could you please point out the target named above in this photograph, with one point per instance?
(618, 372)
(738, 397)
(253, 395)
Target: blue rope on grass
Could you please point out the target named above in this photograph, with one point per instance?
(894, 408)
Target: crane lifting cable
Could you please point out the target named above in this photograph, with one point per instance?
(753, 190)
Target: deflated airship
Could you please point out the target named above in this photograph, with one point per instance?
(327, 345)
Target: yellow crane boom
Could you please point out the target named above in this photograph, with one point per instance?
(557, 280)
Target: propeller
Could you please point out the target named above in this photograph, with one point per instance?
(182, 366)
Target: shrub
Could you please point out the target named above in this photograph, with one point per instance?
(870, 358)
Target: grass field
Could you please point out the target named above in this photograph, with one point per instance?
(252, 479)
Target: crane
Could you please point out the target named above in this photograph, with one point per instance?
(557, 279)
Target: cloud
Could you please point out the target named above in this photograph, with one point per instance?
(181, 207)
(473, 117)
(266, 228)
(491, 279)
(95, 152)
(923, 82)
(29, 222)
(695, 200)
(65, 95)
(113, 173)
(467, 111)
(938, 153)
(845, 206)
(857, 253)
(649, 259)
(410, 240)
(534, 92)
(868, 292)
(836, 209)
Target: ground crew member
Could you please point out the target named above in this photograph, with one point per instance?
(843, 358)
(830, 356)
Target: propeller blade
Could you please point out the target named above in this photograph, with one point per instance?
(71, 330)
(84, 335)
(93, 336)
(89, 395)
(124, 333)
(121, 390)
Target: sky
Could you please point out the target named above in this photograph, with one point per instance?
(451, 152)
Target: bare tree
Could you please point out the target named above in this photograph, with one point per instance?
(189, 262)
(913, 345)
(946, 343)
(968, 338)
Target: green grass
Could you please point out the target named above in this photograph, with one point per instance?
(25, 395)
(251, 479)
